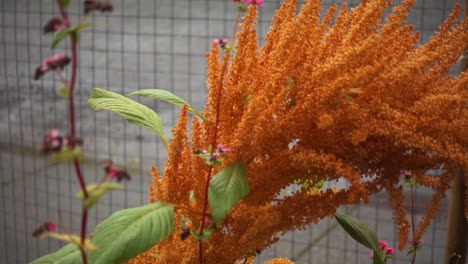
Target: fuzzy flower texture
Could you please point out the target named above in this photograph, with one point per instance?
(362, 100)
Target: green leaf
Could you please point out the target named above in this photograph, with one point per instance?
(66, 154)
(319, 184)
(128, 232)
(58, 37)
(73, 239)
(64, 3)
(206, 234)
(168, 97)
(63, 92)
(361, 233)
(227, 188)
(96, 191)
(69, 254)
(134, 112)
(82, 26)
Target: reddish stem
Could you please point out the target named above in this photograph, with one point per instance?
(71, 86)
(215, 137)
(213, 144)
(412, 225)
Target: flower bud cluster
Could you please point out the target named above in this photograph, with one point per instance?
(212, 157)
(58, 61)
(115, 172)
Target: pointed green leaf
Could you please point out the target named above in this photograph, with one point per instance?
(69, 254)
(63, 92)
(206, 234)
(129, 232)
(361, 233)
(168, 97)
(64, 3)
(58, 37)
(227, 188)
(67, 154)
(96, 191)
(134, 112)
(73, 239)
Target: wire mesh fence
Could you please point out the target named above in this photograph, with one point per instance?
(142, 44)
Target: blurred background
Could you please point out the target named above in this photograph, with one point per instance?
(142, 44)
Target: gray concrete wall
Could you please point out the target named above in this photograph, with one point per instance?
(142, 44)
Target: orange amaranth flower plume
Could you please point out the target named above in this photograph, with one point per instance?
(355, 100)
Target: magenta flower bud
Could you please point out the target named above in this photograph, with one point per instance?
(390, 251)
(223, 150)
(57, 61)
(52, 25)
(114, 171)
(406, 174)
(254, 2)
(52, 142)
(90, 6)
(383, 244)
(221, 42)
(47, 226)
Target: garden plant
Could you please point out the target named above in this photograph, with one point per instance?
(351, 96)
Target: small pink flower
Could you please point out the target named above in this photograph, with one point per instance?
(383, 244)
(66, 22)
(114, 172)
(53, 25)
(418, 243)
(371, 255)
(390, 251)
(51, 227)
(254, 2)
(223, 150)
(221, 42)
(406, 174)
(51, 63)
(47, 226)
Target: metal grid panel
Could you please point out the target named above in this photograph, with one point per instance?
(142, 44)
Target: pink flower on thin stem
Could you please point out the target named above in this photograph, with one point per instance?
(371, 255)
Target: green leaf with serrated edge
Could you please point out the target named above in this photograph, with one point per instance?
(227, 188)
(66, 154)
(134, 112)
(128, 232)
(96, 191)
(361, 233)
(58, 37)
(168, 97)
(69, 254)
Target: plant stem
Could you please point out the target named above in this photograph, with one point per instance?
(71, 86)
(215, 136)
(415, 242)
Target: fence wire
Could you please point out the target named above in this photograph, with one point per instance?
(142, 44)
